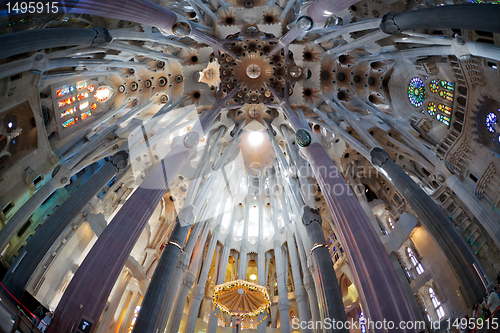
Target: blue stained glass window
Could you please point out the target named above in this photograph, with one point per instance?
(445, 120)
(416, 92)
(491, 120)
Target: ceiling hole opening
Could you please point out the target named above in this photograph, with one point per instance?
(307, 92)
(194, 59)
(371, 81)
(357, 78)
(370, 98)
(325, 75)
(308, 55)
(340, 95)
(342, 59)
(197, 95)
(229, 20)
(341, 77)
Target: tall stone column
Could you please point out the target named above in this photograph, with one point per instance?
(198, 291)
(106, 321)
(186, 282)
(329, 296)
(300, 293)
(308, 281)
(167, 265)
(129, 314)
(461, 16)
(283, 305)
(212, 322)
(437, 223)
(20, 274)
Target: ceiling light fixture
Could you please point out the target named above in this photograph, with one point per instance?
(255, 139)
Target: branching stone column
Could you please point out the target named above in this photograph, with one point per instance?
(300, 293)
(168, 263)
(308, 281)
(437, 223)
(283, 305)
(327, 288)
(198, 291)
(187, 281)
(123, 281)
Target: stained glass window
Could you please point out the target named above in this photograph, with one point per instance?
(81, 85)
(70, 122)
(447, 85)
(444, 119)
(84, 105)
(102, 94)
(91, 88)
(444, 109)
(64, 91)
(83, 95)
(416, 92)
(433, 86)
(68, 112)
(491, 120)
(66, 101)
(86, 114)
(446, 95)
(93, 106)
(431, 108)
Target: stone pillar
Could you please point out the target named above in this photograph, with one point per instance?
(129, 314)
(198, 291)
(19, 275)
(461, 16)
(187, 280)
(329, 296)
(107, 320)
(308, 280)
(437, 223)
(300, 293)
(380, 290)
(212, 322)
(169, 262)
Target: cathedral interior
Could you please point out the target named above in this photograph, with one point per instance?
(247, 165)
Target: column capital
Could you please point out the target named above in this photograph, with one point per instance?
(188, 279)
(186, 215)
(311, 215)
(379, 156)
(183, 261)
(102, 36)
(198, 292)
(388, 25)
(300, 294)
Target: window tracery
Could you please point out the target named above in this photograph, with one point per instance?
(416, 92)
(436, 303)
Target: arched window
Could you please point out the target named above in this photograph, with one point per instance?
(446, 95)
(436, 303)
(433, 86)
(416, 92)
(447, 85)
(414, 261)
